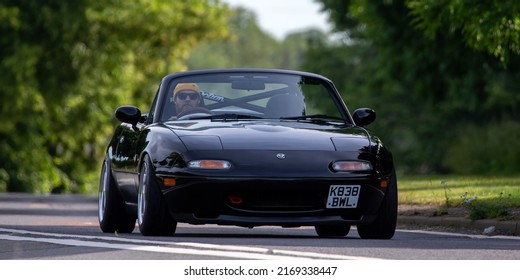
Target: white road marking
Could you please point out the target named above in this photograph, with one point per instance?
(155, 249)
(190, 248)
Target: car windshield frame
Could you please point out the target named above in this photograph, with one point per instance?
(248, 93)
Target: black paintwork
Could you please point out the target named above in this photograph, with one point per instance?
(288, 192)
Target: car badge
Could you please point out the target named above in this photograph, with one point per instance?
(280, 156)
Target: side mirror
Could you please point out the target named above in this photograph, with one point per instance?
(128, 114)
(364, 116)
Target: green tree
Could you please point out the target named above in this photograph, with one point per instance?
(426, 89)
(249, 46)
(492, 26)
(67, 65)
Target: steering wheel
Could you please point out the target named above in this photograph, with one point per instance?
(194, 112)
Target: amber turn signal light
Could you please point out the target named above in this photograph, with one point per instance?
(169, 182)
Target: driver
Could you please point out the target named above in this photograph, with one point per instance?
(186, 96)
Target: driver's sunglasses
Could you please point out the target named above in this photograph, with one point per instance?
(183, 95)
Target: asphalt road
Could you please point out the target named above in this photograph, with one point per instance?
(64, 227)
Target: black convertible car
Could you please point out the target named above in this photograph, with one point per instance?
(247, 147)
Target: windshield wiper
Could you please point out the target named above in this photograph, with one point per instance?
(316, 118)
(233, 117)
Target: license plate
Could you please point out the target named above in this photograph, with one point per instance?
(343, 196)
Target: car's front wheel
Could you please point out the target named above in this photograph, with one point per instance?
(112, 213)
(152, 213)
(332, 231)
(384, 225)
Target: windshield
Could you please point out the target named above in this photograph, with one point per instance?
(250, 96)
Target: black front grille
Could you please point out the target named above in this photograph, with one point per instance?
(277, 201)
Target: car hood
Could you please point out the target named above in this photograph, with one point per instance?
(269, 135)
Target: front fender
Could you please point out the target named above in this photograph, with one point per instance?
(163, 146)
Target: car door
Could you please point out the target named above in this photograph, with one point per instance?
(126, 155)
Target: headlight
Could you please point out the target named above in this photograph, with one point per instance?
(351, 165)
(209, 164)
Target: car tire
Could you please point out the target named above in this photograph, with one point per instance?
(384, 225)
(113, 215)
(152, 213)
(332, 231)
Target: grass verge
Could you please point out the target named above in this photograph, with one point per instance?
(484, 197)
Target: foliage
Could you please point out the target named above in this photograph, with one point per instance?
(66, 66)
(249, 46)
(486, 148)
(498, 207)
(425, 89)
(492, 26)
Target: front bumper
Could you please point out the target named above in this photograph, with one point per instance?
(283, 202)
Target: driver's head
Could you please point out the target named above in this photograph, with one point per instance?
(186, 96)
